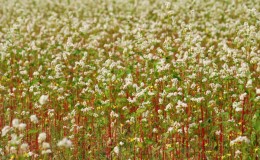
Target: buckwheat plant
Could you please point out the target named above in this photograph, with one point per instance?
(129, 79)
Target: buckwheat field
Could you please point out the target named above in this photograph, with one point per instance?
(129, 79)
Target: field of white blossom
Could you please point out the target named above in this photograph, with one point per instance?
(129, 79)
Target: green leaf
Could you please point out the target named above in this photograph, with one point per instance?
(170, 149)
(256, 121)
(140, 111)
(148, 141)
(33, 131)
(175, 75)
(76, 52)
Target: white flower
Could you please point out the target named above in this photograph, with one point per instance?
(218, 132)
(236, 104)
(257, 90)
(46, 151)
(242, 96)
(15, 140)
(249, 84)
(30, 154)
(45, 145)
(41, 137)
(65, 142)
(113, 114)
(1, 152)
(22, 126)
(13, 149)
(239, 139)
(34, 119)
(116, 150)
(43, 99)
(170, 129)
(15, 123)
(237, 153)
(5, 130)
(155, 130)
(238, 109)
(168, 106)
(24, 146)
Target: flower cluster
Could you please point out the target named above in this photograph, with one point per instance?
(129, 79)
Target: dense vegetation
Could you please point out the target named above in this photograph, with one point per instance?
(129, 79)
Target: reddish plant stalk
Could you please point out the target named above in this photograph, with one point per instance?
(187, 133)
(221, 139)
(109, 145)
(202, 135)
(243, 117)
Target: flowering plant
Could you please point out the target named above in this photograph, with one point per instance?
(129, 79)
